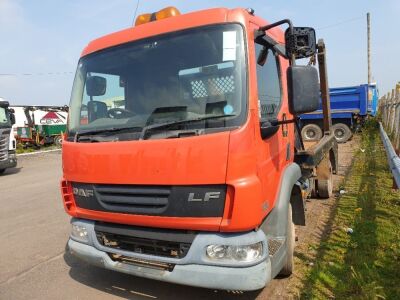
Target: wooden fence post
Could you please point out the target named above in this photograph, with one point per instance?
(383, 107)
(394, 111)
(389, 111)
(396, 141)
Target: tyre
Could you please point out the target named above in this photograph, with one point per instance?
(314, 189)
(58, 140)
(325, 186)
(342, 132)
(288, 267)
(311, 132)
(2, 171)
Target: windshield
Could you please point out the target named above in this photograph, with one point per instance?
(4, 118)
(187, 75)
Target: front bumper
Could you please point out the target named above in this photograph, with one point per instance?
(10, 162)
(193, 269)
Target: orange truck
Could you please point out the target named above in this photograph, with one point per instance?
(182, 161)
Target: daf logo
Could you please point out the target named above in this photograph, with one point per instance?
(82, 192)
(207, 197)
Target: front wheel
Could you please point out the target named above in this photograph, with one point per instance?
(2, 171)
(288, 267)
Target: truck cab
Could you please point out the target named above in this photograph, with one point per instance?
(179, 159)
(8, 157)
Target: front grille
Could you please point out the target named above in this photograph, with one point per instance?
(153, 200)
(143, 245)
(4, 143)
(142, 262)
(144, 240)
(131, 199)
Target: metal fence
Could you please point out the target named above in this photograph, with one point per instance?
(393, 158)
(389, 110)
(389, 107)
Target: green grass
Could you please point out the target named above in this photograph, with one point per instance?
(366, 263)
(21, 150)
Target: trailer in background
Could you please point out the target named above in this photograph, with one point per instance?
(349, 107)
(40, 125)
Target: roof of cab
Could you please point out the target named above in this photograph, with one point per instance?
(189, 20)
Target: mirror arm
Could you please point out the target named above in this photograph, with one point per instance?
(279, 48)
(284, 21)
(277, 122)
(265, 40)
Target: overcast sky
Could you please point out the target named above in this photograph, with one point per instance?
(45, 38)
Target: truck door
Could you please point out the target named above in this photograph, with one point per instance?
(274, 151)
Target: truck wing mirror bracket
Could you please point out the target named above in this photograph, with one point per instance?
(300, 42)
(268, 42)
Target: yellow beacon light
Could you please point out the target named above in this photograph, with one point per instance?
(159, 15)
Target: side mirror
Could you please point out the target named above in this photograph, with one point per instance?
(268, 128)
(262, 56)
(4, 104)
(303, 89)
(96, 86)
(12, 118)
(96, 110)
(301, 43)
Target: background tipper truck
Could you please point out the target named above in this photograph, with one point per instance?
(182, 161)
(350, 107)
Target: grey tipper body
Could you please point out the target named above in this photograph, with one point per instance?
(7, 157)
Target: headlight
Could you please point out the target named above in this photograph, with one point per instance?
(80, 233)
(245, 253)
(217, 251)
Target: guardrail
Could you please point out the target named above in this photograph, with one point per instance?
(389, 110)
(393, 158)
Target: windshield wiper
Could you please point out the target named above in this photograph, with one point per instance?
(108, 130)
(169, 124)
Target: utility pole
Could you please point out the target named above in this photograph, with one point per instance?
(369, 48)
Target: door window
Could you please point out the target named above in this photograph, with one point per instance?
(268, 84)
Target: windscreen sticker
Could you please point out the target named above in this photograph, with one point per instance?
(229, 45)
(228, 109)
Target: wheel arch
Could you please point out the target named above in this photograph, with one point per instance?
(298, 207)
(275, 224)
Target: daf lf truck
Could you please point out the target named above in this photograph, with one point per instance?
(183, 160)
